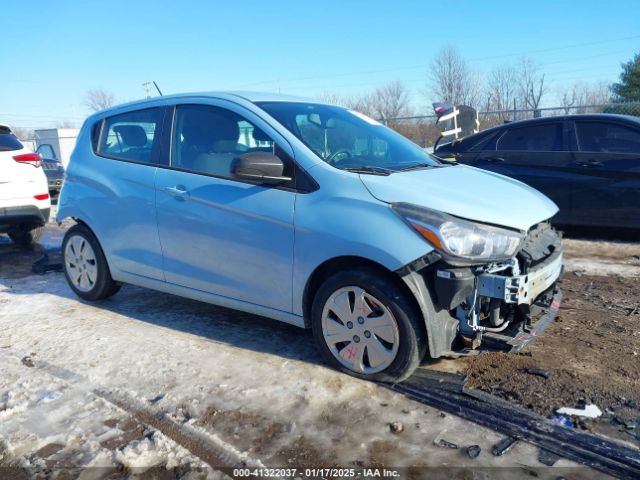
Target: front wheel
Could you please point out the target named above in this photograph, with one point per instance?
(85, 266)
(367, 325)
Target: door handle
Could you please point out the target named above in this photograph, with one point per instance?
(178, 191)
(494, 159)
(589, 163)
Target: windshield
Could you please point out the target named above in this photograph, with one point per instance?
(347, 139)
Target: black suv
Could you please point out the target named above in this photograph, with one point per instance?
(588, 164)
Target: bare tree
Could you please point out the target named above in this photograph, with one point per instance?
(66, 124)
(332, 98)
(598, 94)
(569, 98)
(584, 97)
(22, 133)
(502, 88)
(451, 80)
(391, 100)
(99, 99)
(363, 103)
(388, 101)
(531, 84)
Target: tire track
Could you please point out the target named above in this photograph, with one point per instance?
(206, 446)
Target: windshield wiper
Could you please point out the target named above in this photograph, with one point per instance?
(419, 166)
(369, 170)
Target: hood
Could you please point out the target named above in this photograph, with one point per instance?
(465, 192)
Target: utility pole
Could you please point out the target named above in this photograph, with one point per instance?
(147, 89)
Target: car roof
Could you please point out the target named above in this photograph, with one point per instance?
(533, 121)
(578, 116)
(253, 97)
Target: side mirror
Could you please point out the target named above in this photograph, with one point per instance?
(260, 167)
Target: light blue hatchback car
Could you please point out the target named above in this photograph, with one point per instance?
(314, 215)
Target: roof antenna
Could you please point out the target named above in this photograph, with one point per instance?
(157, 87)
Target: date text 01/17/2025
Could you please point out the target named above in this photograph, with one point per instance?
(318, 473)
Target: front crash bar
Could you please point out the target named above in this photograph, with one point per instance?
(522, 289)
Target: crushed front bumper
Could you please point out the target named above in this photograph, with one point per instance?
(502, 306)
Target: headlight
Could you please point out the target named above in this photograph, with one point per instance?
(461, 239)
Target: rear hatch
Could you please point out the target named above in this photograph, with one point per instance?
(17, 180)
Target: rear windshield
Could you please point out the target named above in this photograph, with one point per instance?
(8, 141)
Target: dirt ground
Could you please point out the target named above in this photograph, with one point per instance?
(146, 382)
(591, 354)
(151, 384)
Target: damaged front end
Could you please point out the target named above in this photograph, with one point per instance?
(500, 305)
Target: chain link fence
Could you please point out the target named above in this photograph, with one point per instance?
(422, 129)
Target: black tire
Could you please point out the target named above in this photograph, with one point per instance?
(25, 236)
(104, 286)
(412, 335)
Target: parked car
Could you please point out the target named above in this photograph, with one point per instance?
(589, 164)
(314, 215)
(24, 197)
(52, 167)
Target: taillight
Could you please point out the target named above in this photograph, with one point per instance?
(31, 158)
(42, 196)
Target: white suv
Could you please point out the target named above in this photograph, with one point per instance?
(24, 194)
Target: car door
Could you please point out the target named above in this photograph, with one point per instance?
(220, 235)
(608, 159)
(537, 154)
(117, 187)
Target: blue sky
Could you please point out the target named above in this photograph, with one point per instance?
(53, 52)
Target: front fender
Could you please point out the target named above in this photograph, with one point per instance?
(342, 219)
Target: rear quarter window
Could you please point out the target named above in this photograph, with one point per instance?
(131, 136)
(604, 137)
(8, 141)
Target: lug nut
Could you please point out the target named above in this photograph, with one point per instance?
(356, 338)
(360, 320)
(367, 333)
(349, 324)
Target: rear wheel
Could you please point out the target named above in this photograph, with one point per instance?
(85, 266)
(366, 325)
(25, 235)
